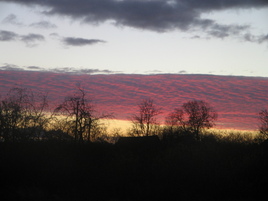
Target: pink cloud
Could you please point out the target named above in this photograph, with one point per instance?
(237, 99)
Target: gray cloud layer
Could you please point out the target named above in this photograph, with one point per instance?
(7, 35)
(43, 25)
(12, 67)
(29, 39)
(11, 19)
(155, 15)
(80, 41)
(32, 39)
(158, 15)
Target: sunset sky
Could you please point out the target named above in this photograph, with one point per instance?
(237, 99)
(223, 37)
(125, 50)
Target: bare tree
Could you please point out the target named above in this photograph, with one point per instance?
(192, 117)
(10, 118)
(144, 123)
(263, 117)
(80, 117)
(36, 114)
(22, 115)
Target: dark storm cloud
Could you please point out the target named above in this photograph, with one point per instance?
(80, 41)
(43, 25)
(156, 15)
(7, 35)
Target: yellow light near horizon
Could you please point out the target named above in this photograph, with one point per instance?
(113, 124)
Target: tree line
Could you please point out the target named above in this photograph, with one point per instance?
(25, 115)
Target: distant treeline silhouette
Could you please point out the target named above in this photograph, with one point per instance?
(26, 116)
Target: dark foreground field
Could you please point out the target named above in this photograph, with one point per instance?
(184, 170)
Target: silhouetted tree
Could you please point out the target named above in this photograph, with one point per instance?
(79, 116)
(10, 118)
(263, 117)
(36, 110)
(144, 123)
(192, 117)
(22, 115)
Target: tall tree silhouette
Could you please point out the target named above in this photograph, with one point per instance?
(193, 116)
(80, 118)
(144, 123)
(22, 115)
(263, 117)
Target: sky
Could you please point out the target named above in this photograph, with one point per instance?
(127, 50)
(220, 37)
(237, 99)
